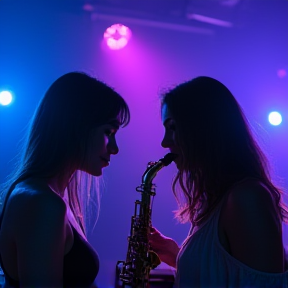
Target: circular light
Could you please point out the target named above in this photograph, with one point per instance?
(275, 118)
(117, 36)
(5, 98)
(281, 73)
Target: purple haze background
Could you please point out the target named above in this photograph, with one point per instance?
(41, 41)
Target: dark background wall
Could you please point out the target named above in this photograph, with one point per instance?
(41, 40)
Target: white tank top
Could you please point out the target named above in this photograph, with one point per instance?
(203, 263)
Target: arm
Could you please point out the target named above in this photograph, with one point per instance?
(40, 239)
(253, 228)
(166, 248)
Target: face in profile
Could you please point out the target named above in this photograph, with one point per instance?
(102, 145)
(169, 139)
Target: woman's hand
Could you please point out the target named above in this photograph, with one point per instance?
(166, 248)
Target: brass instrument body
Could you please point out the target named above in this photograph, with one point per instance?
(135, 271)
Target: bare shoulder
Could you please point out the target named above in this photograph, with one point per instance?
(250, 199)
(32, 193)
(32, 201)
(253, 227)
(251, 189)
(35, 222)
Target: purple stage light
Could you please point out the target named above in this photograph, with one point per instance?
(281, 73)
(88, 7)
(117, 36)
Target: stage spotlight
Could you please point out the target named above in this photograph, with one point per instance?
(275, 118)
(117, 36)
(5, 98)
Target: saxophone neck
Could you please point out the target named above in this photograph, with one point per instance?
(151, 172)
(154, 167)
(147, 188)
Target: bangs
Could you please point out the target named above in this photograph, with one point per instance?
(119, 110)
(124, 115)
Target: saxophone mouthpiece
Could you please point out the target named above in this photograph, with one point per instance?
(168, 158)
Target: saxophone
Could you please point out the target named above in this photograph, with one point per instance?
(135, 271)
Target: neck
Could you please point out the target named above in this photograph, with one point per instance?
(59, 183)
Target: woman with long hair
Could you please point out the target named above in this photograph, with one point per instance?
(71, 139)
(224, 190)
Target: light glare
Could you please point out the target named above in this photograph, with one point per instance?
(275, 118)
(5, 98)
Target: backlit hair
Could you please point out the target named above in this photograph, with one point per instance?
(217, 147)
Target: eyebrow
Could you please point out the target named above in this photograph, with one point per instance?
(166, 121)
(115, 123)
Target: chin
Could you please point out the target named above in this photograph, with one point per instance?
(98, 173)
(94, 172)
(178, 165)
(176, 162)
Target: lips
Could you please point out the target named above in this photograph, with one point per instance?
(105, 160)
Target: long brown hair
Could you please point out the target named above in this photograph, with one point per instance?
(217, 147)
(59, 134)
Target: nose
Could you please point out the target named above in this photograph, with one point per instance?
(112, 146)
(165, 141)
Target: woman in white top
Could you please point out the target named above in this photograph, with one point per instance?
(235, 210)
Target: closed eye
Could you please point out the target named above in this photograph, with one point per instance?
(172, 127)
(110, 132)
(170, 124)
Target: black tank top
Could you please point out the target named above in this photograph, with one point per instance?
(81, 263)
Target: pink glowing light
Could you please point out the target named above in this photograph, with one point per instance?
(281, 73)
(88, 7)
(117, 36)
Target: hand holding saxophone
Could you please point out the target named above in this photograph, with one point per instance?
(166, 248)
